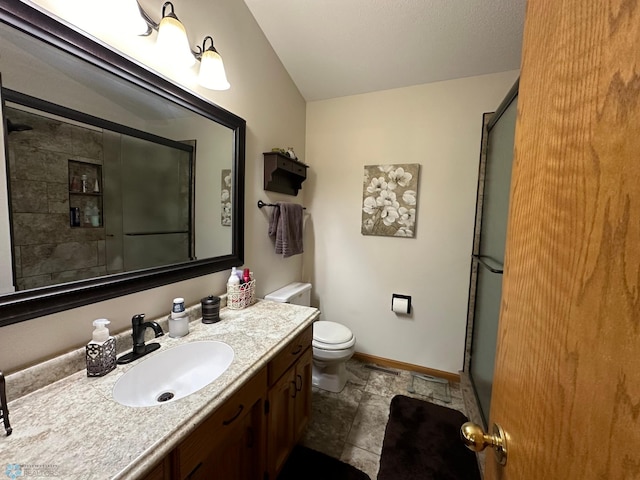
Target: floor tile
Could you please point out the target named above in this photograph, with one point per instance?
(357, 373)
(388, 384)
(367, 430)
(363, 460)
(350, 425)
(331, 417)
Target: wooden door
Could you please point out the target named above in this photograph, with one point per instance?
(567, 378)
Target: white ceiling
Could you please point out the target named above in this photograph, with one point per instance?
(333, 48)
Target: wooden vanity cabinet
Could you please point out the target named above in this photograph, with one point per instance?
(252, 434)
(289, 397)
(161, 471)
(230, 443)
(304, 377)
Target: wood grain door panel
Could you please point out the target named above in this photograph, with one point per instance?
(566, 386)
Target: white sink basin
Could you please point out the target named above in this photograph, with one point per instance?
(172, 374)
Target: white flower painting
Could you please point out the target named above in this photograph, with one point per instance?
(226, 198)
(390, 199)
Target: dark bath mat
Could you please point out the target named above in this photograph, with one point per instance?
(422, 442)
(307, 464)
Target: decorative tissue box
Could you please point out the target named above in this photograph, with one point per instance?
(241, 296)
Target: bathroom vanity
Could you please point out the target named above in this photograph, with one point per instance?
(271, 409)
(243, 425)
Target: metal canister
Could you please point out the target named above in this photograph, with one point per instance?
(210, 309)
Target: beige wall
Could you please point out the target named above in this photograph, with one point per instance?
(438, 126)
(264, 95)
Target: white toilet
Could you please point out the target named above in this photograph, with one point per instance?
(333, 343)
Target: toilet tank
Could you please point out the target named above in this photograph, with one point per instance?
(297, 293)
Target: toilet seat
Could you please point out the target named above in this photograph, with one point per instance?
(332, 336)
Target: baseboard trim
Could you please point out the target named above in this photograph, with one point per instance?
(386, 362)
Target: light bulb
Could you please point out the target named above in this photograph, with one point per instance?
(212, 74)
(172, 42)
(127, 17)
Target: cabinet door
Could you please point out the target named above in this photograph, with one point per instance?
(238, 422)
(289, 355)
(280, 424)
(162, 471)
(238, 456)
(303, 380)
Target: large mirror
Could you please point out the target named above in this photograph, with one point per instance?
(117, 180)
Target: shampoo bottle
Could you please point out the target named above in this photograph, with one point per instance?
(101, 350)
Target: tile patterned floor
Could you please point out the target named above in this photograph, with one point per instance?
(350, 425)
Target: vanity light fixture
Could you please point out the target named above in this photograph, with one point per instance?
(126, 14)
(173, 43)
(212, 74)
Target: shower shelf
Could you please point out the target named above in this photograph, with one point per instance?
(85, 201)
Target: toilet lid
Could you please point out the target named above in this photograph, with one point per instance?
(332, 336)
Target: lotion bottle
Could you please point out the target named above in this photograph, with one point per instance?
(233, 278)
(101, 350)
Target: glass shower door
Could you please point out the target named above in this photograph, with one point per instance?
(147, 203)
(155, 204)
(489, 256)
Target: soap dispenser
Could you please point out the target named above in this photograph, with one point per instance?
(101, 350)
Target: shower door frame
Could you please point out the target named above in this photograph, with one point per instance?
(475, 412)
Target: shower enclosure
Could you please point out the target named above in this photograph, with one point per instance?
(147, 204)
(489, 247)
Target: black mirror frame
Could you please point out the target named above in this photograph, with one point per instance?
(25, 305)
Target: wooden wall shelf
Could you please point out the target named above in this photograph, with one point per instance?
(283, 174)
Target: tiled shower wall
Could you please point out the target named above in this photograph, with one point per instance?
(47, 250)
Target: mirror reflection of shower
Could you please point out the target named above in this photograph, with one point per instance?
(17, 127)
(88, 201)
(149, 205)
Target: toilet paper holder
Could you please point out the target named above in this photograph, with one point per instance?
(395, 296)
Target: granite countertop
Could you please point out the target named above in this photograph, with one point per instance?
(73, 429)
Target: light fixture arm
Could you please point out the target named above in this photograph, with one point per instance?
(171, 13)
(201, 50)
(151, 24)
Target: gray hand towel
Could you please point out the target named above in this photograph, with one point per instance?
(285, 227)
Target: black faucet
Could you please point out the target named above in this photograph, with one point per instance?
(138, 327)
(4, 410)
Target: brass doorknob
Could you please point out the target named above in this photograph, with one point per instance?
(475, 439)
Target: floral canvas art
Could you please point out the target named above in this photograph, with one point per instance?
(226, 198)
(389, 200)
